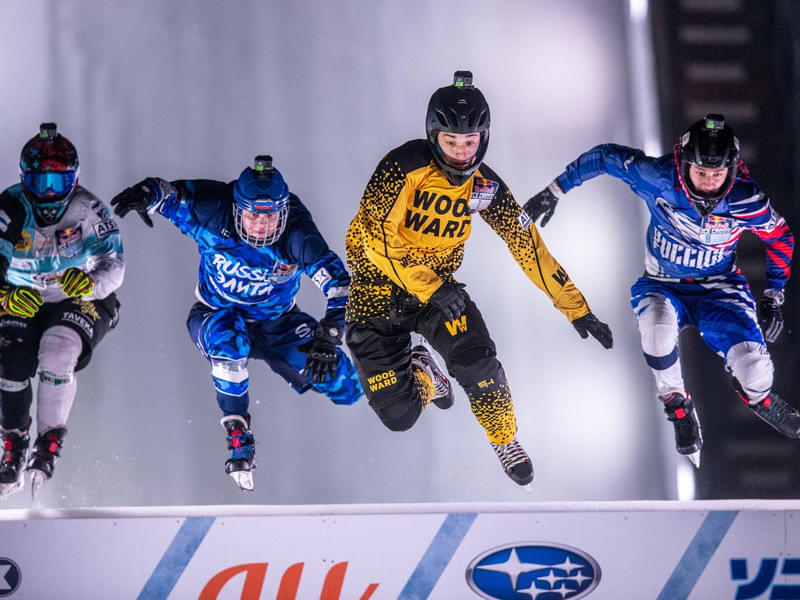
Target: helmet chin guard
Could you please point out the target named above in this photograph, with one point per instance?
(458, 108)
(711, 144)
(261, 203)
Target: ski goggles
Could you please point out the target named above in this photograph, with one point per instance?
(57, 182)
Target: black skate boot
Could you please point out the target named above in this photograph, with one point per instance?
(516, 462)
(774, 411)
(442, 390)
(15, 449)
(243, 451)
(688, 435)
(46, 449)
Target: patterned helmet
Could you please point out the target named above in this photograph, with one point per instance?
(709, 143)
(261, 203)
(458, 108)
(48, 169)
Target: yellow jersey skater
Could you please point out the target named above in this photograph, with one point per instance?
(404, 245)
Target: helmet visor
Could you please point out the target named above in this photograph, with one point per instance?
(58, 183)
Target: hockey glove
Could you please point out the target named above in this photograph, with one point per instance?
(589, 324)
(544, 203)
(20, 301)
(770, 314)
(321, 360)
(145, 197)
(450, 299)
(75, 283)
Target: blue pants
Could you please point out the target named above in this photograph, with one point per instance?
(228, 341)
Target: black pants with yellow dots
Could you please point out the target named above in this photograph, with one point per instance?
(381, 352)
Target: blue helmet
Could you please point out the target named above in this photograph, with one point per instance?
(261, 203)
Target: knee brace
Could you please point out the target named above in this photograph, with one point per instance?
(59, 350)
(17, 360)
(751, 365)
(658, 327)
(474, 365)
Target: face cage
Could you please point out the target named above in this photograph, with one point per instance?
(267, 239)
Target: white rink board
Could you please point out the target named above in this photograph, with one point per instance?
(615, 551)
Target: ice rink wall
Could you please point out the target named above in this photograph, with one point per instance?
(613, 551)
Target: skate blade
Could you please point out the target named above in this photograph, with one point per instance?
(695, 458)
(528, 488)
(7, 489)
(244, 479)
(37, 479)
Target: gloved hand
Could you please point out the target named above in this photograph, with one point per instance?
(770, 314)
(544, 203)
(20, 301)
(76, 283)
(144, 197)
(589, 324)
(450, 299)
(321, 360)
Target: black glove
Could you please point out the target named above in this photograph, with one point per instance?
(589, 324)
(142, 197)
(450, 299)
(770, 314)
(543, 203)
(321, 360)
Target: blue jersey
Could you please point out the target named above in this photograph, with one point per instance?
(680, 242)
(260, 283)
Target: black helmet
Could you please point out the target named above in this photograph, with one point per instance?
(708, 143)
(458, 108)
(48, 170)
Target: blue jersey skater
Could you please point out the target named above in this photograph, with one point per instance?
(701, 199)
(255, 240)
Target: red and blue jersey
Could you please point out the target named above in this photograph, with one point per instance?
(680, 242)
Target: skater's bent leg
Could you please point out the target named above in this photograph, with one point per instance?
(658, 327)
(231, 381)
(397, 393)
(59, 350)
(481, 375)
(751, 365)
(17, 365)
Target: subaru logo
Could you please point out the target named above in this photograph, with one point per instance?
(533, 571)
(10, 577)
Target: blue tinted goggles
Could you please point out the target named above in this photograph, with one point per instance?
(57, 182)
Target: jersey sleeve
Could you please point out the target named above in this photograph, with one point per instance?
(531, 254)
(12, 220)
(628, 164)
(104, 260)
(193, 203)
(770, 227)
(382, 211)
(322, 265)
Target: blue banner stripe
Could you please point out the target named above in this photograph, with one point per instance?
(437, 556)
(697, 555)
(176, 558)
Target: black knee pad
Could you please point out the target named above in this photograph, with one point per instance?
(475, 365)
(397, 414)
(18, 358)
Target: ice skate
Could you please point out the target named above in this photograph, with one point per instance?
(42, 461)
(15, 449)
(776, 412)
(442, 390)
(688, 435)
(516, 462)
(243, 451)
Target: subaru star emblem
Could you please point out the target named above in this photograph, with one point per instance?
(542, 571)
(10, 577)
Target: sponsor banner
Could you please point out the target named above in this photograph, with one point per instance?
(612, 551)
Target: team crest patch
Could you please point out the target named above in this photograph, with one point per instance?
(69, 241)
(282, 272)
(716, 230)
(524, 220)
(483, 192)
